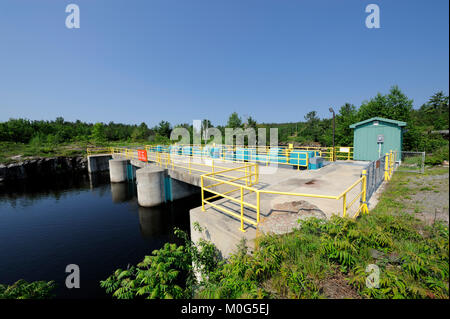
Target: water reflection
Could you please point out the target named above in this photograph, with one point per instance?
(120, 193)
(158, 221)
(48, 224)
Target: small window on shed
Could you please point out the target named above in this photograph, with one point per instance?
(376, 123)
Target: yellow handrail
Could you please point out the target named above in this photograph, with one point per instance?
(217, 173)
(361, 195)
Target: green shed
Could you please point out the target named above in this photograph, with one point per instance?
(375, 137)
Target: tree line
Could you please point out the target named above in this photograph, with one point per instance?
(420, 133)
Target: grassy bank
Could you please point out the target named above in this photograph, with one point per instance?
(323, 259)
(11, 152)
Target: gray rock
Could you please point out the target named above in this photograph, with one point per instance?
(376, 254)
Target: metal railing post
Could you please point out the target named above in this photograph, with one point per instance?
(386, 167)
(344, 205)
(364, 208)
(203, 193)
(391, 157)
(258, 198)
(246, 174)
(242, 210)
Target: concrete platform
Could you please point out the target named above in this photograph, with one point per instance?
(223, 229)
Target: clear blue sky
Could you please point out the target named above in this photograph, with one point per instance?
(134, 61)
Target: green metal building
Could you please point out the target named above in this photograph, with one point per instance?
(375, 137)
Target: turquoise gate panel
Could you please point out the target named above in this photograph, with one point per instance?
(130, 172)
(167, 189)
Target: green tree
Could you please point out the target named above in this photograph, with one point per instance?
(394, 106)
(98, 132)
(312, 129)
(234, 121)
(164, 129)
(206, 124)
(140, 133)
(251, 123)
(434, 113)
(348, 114)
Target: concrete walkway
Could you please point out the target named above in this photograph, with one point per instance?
(276, 210)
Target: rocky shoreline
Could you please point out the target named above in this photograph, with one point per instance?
(42, 167)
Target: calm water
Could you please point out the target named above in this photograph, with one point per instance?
(77, 220)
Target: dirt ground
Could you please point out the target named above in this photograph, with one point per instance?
(429, 198)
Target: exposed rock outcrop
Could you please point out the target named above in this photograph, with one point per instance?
(42, 167)
(284, 217)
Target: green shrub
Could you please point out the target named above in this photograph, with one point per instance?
(22, 289)
(437, 158)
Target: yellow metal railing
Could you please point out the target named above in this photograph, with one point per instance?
(343, 153)
(348, 196)
(389, 164)
(98, 150)
(243, 178)
(264, 155)
(216, 179)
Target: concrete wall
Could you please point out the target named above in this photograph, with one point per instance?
(218, 229)
(98, 163)
(181, 189)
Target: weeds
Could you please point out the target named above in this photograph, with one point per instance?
(412, 259)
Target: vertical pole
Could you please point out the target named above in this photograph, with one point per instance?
(248, 170)
(242, 209)
(203, 193)
(257, 173)
(334, 128)
(344, 205)
(386, 167)
(364, 208)
(390, 163)
(423, 163)
(258, 198)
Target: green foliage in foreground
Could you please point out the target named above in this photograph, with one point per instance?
(168, 273)
(22, 289)
(412, 258)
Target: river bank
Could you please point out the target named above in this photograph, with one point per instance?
(42, 167)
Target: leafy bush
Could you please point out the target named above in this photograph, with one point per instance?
(22, 289)
(438, 157)
(412, 258)
(168, 273)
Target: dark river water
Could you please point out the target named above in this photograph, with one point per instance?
(84, 221)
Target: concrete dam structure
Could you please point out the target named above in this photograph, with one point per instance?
(241, 198)
(155, 185)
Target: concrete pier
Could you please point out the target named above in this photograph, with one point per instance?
(98, 163)
(118, 170)
(150, 186)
